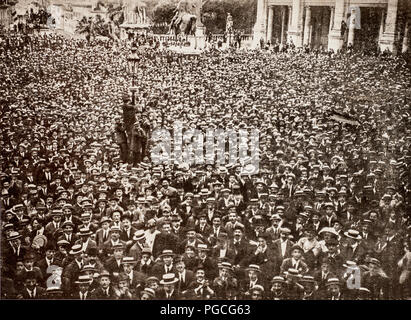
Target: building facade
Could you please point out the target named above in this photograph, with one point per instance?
(334, 23)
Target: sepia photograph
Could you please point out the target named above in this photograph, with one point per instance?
(212, 150)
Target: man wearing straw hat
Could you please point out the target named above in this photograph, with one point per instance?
(169, 291)
(83, 291)
(225, 285)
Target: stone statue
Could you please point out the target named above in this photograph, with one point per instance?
(184, 19)
(134, 12)
(229, 23)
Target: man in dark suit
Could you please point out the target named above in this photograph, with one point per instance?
(127, 231)
(295, 262)
(72, 270)
(282, 247)
(19, 216)
(222, 251)
(225, 285)
(333, 256)
(107, 247)
(140, 243)
(165, 240)
(169, 291)
(203, 227)
(114, 263)
(253, 278)
(105, 291)
(274, 230)
(136, 279)
(47, 261)
(191, 239)
(354, 250)
(206, 262)
(184, 276)
(321, 276)
(54, 224)
(389, 257)
(85, 241)
(82, 291)
(240, 247)
(68, 233)
(31, 289)
(329, 218)
(333, 291)
(13, 251)
(210, 211)
(165, 265)
(199, 288)
(68, 216)
(103, 234)
(216, 230)
(67, 180)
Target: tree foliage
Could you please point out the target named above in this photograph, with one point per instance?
(214, 13)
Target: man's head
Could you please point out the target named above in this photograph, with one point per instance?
(284, 233)
(115, 233)
(202, 251)
(105, 280)
(123, 282)
(200, 274)
(238, 233)
(277, 284)
(68, 228)
(118, 252)
(30, 280)
(84, 283)
(333, 286)
(167, 257)
(256, 293)
(29, 261)
(297, 252)
(116, 216)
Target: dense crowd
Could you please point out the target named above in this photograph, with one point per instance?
(86, 214)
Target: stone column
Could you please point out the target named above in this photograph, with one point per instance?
(351, 28)
(290, 15)
(335, 40)
(406, 38)
(382, 23)
(260, 27)
(387, 40)
(307, 25)
(295, 30)
(331, 18)
(270, 24)
(282, 24)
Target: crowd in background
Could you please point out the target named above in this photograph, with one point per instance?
(86, 214)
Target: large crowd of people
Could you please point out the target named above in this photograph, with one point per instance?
(86, 213)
